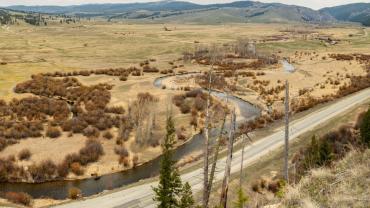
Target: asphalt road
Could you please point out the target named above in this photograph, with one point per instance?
(141, 196)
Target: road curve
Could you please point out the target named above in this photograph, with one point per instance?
(141, 196)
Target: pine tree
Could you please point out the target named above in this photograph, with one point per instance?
(312, 157)
(365, 129)
(325, 153)
(187, 199)
(241, 200)
(170, 187)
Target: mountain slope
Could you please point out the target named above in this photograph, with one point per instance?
(179, 11)
(352, 12)
(5, 17)
(112, 8)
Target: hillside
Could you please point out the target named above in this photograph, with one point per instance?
(346, 184)
(352, 12)
(179, 11)
(5, 17)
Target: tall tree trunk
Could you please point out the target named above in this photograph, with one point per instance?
(286, 149)
(242, 161)
(215, 158)
(206, 145)
(225, 183)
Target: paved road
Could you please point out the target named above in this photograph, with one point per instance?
(141, 196)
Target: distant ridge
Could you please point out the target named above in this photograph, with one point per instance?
(181, 11)
(359, 12)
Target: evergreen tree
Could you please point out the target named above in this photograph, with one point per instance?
(312, 156)
(325, 153)
(241, 200)
(170, 187)
(187, 199)
(365, 129)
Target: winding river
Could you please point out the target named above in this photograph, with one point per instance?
(90, 186)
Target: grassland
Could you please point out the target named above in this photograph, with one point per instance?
(27, 50)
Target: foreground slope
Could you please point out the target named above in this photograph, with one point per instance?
(346, 184)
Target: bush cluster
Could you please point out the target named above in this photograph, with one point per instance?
(24, 154)
(74, 193)
(53, 132)
(19, 198)
(323, 151)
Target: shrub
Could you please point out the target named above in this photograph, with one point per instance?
(91, 152)
(78, 125)
(63, 169)
(273, 186)
(256, 187)
(74, 193)
(121, 151)
(181, 136)
(125, 161)
(365, 129)
(108, 135)
(3, 144)
(359, 121)
(44, 171)
(115, 110)
(66, 125)
(185, 108)
(200, 104)
(178, 100)
(76, 168)
(19, 198)
(135, 160)
(91, 132)
(24, 154)
(53, 132)
(194, 93)
(123, 78)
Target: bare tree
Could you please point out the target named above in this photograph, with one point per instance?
(215, 155)
(286, 155)
(214, 57)
(225, 183)
(206, 145)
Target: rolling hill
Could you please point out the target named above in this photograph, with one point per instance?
(5, 17)
(180, 11)
(352, 12)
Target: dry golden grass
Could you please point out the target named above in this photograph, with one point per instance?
(344, 185)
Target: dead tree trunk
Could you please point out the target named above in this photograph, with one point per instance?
(286, 155)
(206, 145)
(242, 161)
(225, 183)
(215, 158)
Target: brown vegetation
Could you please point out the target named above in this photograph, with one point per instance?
(53, 132)
(74, 193)
(19, 198)
(24, 154)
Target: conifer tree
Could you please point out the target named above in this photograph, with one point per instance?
(187, 200)
(241, 200)
(325, 152)
(170, 187)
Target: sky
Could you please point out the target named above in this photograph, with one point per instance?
(314, 4)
